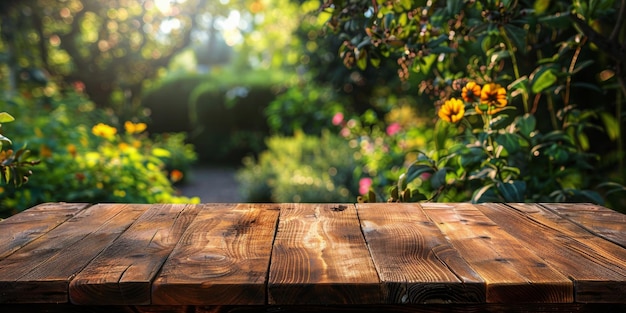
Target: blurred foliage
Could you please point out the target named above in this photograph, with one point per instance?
(14, 165)
(563, 79)
(113, 46)
(300, 168)
(86, 160)
(222, 111)
(304, 108)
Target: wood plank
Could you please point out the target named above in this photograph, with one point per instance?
(512, 272)
(320, 257)
(599, 220)
(413, 259)
(358, 308)
(222, 258)
(122, 273)
(597, 266)
(26, 226)
(40, 271)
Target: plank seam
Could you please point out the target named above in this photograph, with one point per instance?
(367, 244)
(582, 226)
(269, 263)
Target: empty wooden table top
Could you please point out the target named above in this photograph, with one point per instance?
(452, 256)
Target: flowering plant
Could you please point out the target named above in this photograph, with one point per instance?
(519, 90)
(14, 165)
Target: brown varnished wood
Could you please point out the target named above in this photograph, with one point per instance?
(223, 257)
(40, 272)
(599, 220)
(123, 272)
(455, 257)
(357, 308)
(512, 272)
(414, 260)
(29, 225)
(574, 251)
(320, 257)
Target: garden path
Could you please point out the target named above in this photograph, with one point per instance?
(212, 184)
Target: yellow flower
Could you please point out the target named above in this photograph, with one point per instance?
(133, 128)
(123, 146)
(104, 131)
(452, 110)
(470, 92)
(493, 94)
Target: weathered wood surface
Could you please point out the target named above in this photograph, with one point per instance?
(320, 257)
(272, 257)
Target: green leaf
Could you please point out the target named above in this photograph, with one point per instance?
(161, 153)
(416, 170)
(509, 141)
(361, 59)
(442, 49)
(611, 125)
(2, 138)
(544, 80)
(512, 191)
(517, 36)
(561, 20)
(541, 6)
(485, 194)
(439, 178)
(6, 117)
(526, 125)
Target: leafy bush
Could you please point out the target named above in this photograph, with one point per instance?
(302, 168)
(520, 88)
(85, 160)
(221, 112)
(304, 107)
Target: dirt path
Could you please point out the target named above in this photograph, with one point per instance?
(212, 184)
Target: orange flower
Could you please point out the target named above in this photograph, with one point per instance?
(470, 92)
(492, 99)
(45, 152)
(176, 175)
(452, 110)
(71, 148)
(493, 94)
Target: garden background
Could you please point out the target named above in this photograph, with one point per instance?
(313, 101)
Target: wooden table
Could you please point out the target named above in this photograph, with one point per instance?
(459, 257)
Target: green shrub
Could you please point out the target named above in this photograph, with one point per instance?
(307, 107)
(301, 168)
(221, 112)
(83, 160)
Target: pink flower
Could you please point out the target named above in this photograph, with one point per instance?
(364, 185)
(79, 86)
(338, 118)
(393, 129)
(345, 132)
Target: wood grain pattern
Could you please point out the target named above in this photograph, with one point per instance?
(571, 249)
(512, 272)
(599, 220)
(29, 225)
(320, 257)
(222, 258)
(414, 260)
(41, 271)
(123, 272)
(457, 257)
